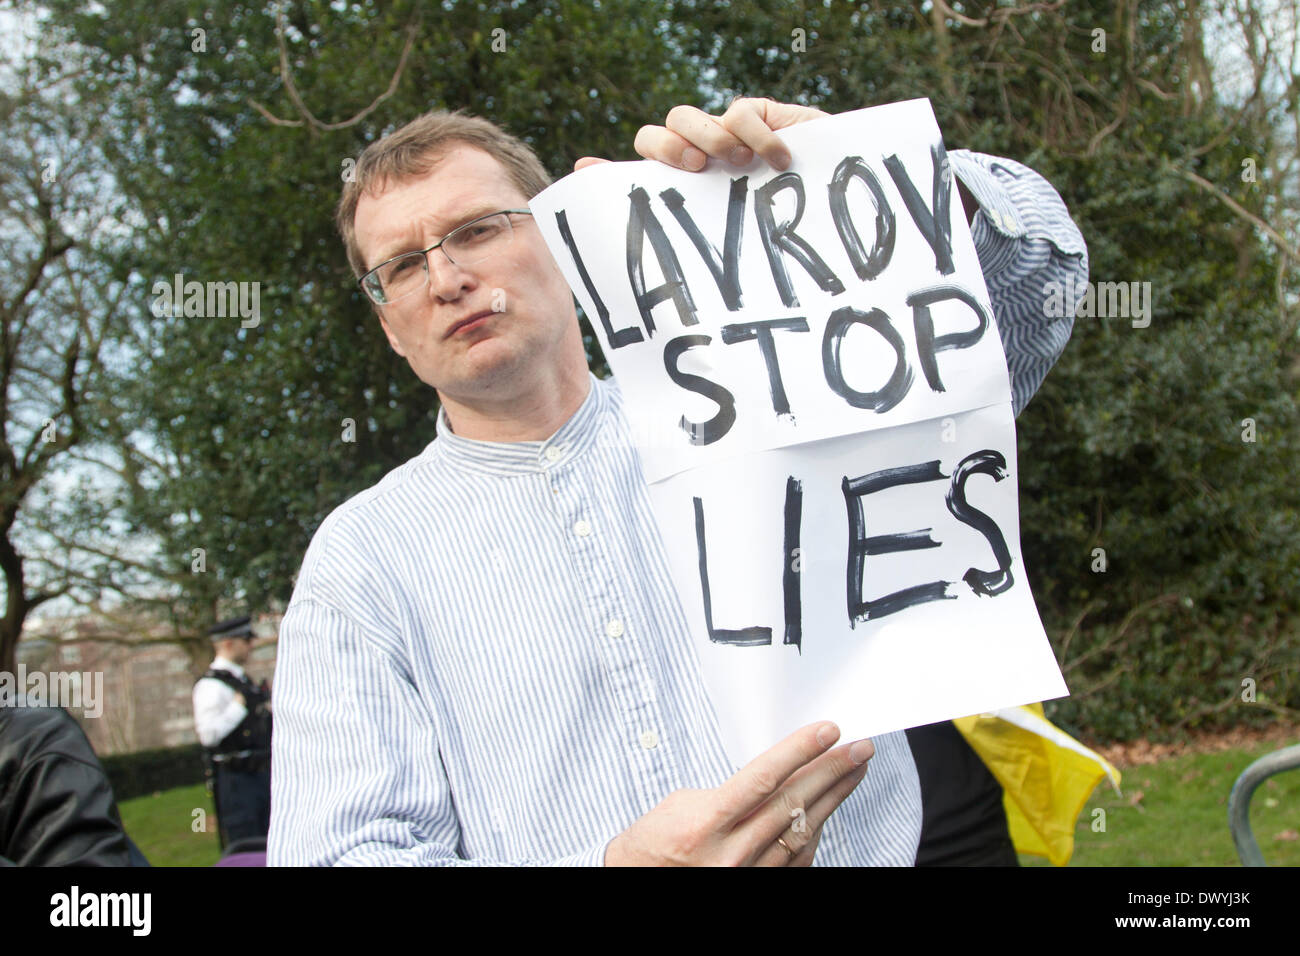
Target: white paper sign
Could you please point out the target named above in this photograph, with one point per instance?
(818, 392)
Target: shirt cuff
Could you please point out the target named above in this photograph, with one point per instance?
(1015, 202)
(994, 199)
(594, 856)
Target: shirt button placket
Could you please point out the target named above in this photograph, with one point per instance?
(627, 671)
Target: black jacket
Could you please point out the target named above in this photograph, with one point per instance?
(56, 804)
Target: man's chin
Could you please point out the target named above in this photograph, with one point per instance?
(481, 368)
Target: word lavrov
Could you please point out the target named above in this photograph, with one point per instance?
(782, 243)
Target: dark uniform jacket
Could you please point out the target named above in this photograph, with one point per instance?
(248, 746)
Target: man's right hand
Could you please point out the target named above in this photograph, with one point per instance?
(786, 792)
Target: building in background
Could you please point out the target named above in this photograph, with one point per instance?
(147, 686)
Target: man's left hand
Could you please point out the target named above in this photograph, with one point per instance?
(690, 136)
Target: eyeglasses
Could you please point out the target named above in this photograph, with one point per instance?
(465, 245)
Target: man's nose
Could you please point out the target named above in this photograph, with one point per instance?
(447, 280)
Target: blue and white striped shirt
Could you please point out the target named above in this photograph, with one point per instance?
(484, 661)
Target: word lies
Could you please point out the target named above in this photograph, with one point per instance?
(862, 545)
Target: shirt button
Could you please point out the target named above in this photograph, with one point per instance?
(582, 527)
(649, 740)
(614, 628)
(554, 453)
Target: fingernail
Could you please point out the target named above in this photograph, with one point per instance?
(693, 158)
(741, 155)
(827, 734)
(781, 161)
(861, 752)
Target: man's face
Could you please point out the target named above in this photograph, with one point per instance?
(526, 304)
(236, 649)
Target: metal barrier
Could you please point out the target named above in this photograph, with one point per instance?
(1287, 758)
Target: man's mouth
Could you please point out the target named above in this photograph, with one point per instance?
(469, 323)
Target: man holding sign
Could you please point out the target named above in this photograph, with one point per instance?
(512, 655)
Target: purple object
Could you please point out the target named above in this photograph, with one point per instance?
(243, 859)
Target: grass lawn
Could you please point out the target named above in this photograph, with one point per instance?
(1175, 813)
(162, 826)
(1172, 813)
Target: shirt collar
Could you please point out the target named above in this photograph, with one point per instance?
(221, 664)
(529, 457)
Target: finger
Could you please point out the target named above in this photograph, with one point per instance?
(805, 856)
(747, 119)
(779, 115)
(804, 790)
(708, 134)
(804, 835)
(753, 784)
(796, 839)
(777, 855)
(657, 142)
(808, 853)
(831, 800)
(586, 161)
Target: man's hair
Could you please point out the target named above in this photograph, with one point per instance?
(414, 149)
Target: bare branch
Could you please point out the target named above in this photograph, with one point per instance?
(271, 117)
(1287, 249)
(952, 14)
(1148, 85)
(1118, 636)
(291, 88)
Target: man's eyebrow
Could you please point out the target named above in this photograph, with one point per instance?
(400, 247)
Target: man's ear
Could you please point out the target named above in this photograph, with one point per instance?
(388, 331)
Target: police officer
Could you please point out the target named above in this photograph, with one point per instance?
(232, 716)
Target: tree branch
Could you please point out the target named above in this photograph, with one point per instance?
(1286, 248)
(291, 88)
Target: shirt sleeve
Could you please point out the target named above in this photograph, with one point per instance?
(216, 711)
(1029, 250)
(358, 779)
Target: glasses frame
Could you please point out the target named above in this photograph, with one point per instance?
(361, 281)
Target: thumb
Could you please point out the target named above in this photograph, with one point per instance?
(588, 161)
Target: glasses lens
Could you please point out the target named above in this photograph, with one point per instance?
(471, 243)
(370, 283)
(401, 277)
(477, 240)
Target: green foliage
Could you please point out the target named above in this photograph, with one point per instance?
(1133, 445)
(251, 421)
(145, 771)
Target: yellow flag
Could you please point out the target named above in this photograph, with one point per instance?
(1046, 776)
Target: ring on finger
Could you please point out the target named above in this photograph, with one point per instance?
(785, 846)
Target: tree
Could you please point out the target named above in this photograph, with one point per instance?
(59, 309)
(233, 135)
